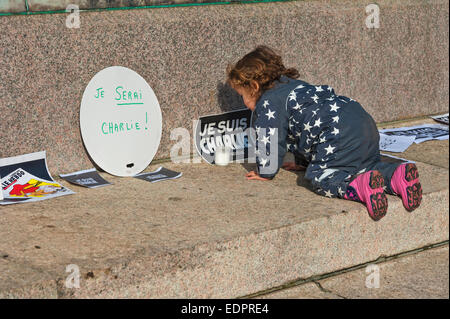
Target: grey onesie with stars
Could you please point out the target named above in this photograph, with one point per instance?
(332, 135)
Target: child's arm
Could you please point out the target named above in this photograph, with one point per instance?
(253, 175)
(271, 130)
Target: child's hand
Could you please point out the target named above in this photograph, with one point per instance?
(254, 175)
(291, 166)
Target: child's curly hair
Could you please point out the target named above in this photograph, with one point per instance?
(262, 65)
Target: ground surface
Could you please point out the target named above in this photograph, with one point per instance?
(423, 275)
(208, 234)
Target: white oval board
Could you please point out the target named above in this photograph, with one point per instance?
(120, 121)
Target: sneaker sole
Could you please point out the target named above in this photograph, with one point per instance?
(378, 201)
(379, 204)
(411, 172)
(376, 180)
(413, 192)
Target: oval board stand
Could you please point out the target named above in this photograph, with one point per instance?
(120, 121)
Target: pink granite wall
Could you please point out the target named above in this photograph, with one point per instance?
(57, 5)
(397, 71)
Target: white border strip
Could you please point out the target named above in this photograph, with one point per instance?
(157, 170)
(79, 172)
(22, 158)
(27, 158)
(165, 179)
(399, 158)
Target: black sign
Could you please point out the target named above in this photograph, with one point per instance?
(88, 178)
(231, 129)
(160, 174)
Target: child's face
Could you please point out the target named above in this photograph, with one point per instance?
(249, 99)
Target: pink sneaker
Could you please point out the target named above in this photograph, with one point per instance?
(368, 189)
(405, 183)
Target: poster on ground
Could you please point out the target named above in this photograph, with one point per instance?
(422, 133)
(443, 118)
(26, 179)
(395, 143)
(161, 174)
(89, 178)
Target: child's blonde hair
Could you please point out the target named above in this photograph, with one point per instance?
(263, 65)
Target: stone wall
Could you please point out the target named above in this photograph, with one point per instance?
(15, 6)
(397, 71)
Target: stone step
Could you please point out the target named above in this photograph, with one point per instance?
(209, 234)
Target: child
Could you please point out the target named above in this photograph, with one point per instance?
(331, 135)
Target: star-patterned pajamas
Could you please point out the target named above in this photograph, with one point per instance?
(332, 135)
